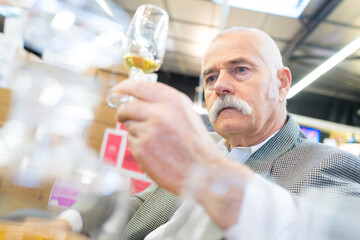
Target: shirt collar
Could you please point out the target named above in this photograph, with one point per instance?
(241, 154)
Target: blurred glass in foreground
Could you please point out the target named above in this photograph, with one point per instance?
(267, 211)
(45, 164)
(17, 231)
(76, 34)
(324, 215)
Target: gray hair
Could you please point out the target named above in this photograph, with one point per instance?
(267, 48)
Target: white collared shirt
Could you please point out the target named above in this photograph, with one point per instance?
(241, 154)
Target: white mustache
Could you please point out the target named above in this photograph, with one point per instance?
(228, 101)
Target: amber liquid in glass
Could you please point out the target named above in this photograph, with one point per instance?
(145, 64)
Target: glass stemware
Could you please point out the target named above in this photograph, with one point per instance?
(145, 47)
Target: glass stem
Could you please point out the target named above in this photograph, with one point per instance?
(134, 72)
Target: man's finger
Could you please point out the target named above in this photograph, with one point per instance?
(137, 110)
(134, 128)
(133, 140)
(147, 91)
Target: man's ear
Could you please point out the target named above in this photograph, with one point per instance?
(284, 76)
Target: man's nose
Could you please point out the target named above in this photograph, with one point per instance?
(224, 83)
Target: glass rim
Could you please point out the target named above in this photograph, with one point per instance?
(153, 6)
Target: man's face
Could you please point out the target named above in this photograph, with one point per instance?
(234, 66)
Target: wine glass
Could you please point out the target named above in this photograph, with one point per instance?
(145, 47)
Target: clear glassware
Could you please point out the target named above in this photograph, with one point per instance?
(144, 50)
(77, 35)
(114, 99)
(45, 163)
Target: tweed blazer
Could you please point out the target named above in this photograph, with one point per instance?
(288, 159)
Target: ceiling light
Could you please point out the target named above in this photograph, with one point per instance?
(326, 66)
(105, 6)
(287, 8)
(9, 11)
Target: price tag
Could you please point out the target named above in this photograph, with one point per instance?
(116, 152)
(113, 146)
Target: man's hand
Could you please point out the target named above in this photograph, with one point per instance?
(168, 139)
(165, 135)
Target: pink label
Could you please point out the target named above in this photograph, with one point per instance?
(138, 185)
(129, 162)
(112, 148)
(63, 195)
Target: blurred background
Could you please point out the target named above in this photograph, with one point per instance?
(59, 58)
(307, 33)
(322, 29)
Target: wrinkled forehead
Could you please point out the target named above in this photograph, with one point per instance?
(231, 45)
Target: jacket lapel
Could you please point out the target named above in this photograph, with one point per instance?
(155, 211)
(263, 160)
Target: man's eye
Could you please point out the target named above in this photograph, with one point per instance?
(241, 69)
(211, 79)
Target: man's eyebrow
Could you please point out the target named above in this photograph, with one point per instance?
(241, 61)
(235, 61)
(207, 71)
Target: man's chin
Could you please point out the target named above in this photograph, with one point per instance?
(227, 125)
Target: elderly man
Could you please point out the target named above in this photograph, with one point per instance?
(245, 91)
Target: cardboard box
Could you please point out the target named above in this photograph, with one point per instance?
(4, 114)
(94, 143)
(105, 114)
(95, 132)
(5, 96)
(108, 78)
(15, 196)
(5, 101)
(96, 129)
